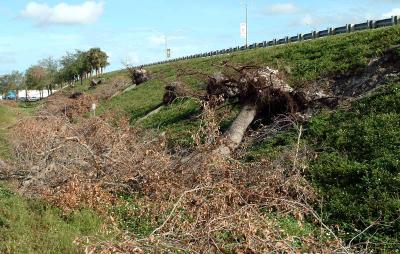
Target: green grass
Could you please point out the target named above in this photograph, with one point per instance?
(8, 116)
(32, 226)
(357, 170)
(272, 146)
(305, 61)
(138, 102)
(132, 217)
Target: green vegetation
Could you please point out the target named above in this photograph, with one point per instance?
(272, 147)
(357, 169)
(8, 116)
(132, 217)
(31, 226)
(138, 102)
(50, 73)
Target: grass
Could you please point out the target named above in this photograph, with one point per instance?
(136, 103)
(32, 226)
(272, 147)
(357, 168)
(9, 114)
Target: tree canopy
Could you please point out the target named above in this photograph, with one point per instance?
(49, 73)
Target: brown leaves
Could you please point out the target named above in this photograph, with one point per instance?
(200, 203)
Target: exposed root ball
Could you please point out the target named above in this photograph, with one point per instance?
(138, 76)
(221, 86)
(95, 82)
(260, 91)
(173, 91)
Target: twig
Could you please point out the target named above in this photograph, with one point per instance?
(316, 216)
(297, 147)
(175, 207)
(362, 232)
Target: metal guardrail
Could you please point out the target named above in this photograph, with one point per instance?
(349, 28)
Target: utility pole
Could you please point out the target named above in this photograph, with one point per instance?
(247, 31)
(167, 50)
(244, 26)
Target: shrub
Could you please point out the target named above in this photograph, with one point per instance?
(357, 171)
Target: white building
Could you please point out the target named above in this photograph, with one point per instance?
(33, 94)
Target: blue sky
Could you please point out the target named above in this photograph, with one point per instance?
(133, 31)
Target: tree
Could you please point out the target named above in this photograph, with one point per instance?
(83, 65)
(98, 60)
(103, 61)
(12, 82)
(68, 72)
(3, 84)
(51, 66)
(36, 78)
(94, 59)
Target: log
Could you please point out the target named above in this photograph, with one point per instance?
(155, 111)
(234, 135)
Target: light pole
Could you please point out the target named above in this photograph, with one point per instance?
(244, 26)
(247, 33)
(167, 50)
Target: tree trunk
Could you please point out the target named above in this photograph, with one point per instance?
(237, 130)
(155, 111)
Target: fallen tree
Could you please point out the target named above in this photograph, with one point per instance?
(259, 91)
(172, 92)
(138, 76)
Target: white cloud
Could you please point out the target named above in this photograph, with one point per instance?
(64, 14)
(281, 8)
(7, 58)
(131, 58)
(156, 39)
(308, 20)
(393, 12)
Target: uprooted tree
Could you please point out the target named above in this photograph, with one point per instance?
(261, 92)
(173, 91)
(138, 76)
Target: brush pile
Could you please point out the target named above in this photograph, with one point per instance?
(202, 203)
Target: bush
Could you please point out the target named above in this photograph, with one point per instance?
(357, 171)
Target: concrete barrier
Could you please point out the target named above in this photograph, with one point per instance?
(361, 26)
(323, 33)
(384, 22)
(295, 38)
(308, 36)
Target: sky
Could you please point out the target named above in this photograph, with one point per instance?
(134, 32)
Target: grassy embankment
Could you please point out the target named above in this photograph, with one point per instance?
(301, 63)
(355, 169)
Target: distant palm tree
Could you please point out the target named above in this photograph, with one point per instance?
(103, 61)
(98, 60)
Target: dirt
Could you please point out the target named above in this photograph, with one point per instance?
(378, 71)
